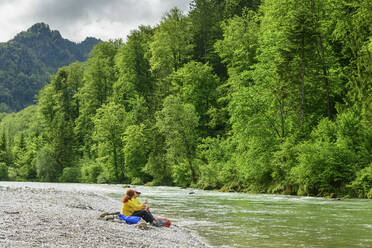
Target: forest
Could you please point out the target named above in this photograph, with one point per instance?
(270, 96)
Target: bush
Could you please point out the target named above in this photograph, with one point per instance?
(46, 165)
(283, 161)
(3, 172)
(212, 154)
(70, 175)
(90, 171)
(323, 169)
(181, 174)
(362, 185)
(105, 177)
(331, 162)
(137, 181)
(12, 174)
(135, 152)
(28, 172)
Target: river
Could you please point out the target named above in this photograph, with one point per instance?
(253, 220)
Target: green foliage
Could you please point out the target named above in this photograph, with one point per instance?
(137, 181)
(135, 152)
(157, 165)
(214, 163)
(283, 160)
(239, 44)
(70, 175)
(323, 169)
(3, 172)
(59, 108)
(329, 162)
(178, 121)
(106, 175)
(172, 45)
(362, 185)
(22, 141)
(134, 68)
(27, 61)
(196, 84)
(236, 7)
(236, 95)
(4, 157)
(90, 171)
(47, 167)
(206, 17)
(99, 76)
(109, 126)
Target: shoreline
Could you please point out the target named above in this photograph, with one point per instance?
(36, 217)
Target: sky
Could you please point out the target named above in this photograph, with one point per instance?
(78, 19)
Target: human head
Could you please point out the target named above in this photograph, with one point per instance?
(128, 195)
(137, 192)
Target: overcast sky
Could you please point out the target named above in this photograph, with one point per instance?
(77, 19)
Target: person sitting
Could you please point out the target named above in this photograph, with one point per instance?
(137, 201)
(132, 207)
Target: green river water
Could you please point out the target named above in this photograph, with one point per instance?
(261, 220)
(252, 220)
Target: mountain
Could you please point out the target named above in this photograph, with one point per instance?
(27, 61)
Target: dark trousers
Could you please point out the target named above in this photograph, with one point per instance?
(146, 215)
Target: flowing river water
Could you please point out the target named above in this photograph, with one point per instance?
(253, 220)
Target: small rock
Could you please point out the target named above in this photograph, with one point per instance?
(103, 214)
(142, 225)
(108, 217)
(11, 212)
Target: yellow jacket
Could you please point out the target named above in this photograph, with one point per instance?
(131, 206)
(136, 200)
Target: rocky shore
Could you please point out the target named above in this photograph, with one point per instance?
(49, 217)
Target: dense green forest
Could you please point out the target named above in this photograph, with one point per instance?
(255, 96)
(28, 60)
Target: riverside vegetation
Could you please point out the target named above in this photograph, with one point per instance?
(257, 96)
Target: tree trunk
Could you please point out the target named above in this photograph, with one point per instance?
(324, 67)
(193, 176)
(282, 118)
(325, 79)
(116, 164)
(302, 80)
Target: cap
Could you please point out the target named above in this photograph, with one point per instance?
(138, 192)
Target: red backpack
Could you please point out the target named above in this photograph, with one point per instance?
(162, 221)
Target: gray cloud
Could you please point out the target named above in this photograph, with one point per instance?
(76, 19)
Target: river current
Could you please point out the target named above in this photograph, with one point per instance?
(252, 220)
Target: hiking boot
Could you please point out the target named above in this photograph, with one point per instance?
(157, 223)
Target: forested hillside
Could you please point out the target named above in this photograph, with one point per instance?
(28, 60)
(271, 96)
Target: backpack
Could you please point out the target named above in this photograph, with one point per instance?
(130, 219)
(162, 221)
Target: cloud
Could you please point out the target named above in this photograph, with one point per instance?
(77, 19)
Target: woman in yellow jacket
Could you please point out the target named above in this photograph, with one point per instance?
(132, 207)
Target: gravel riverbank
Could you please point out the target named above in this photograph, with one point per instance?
(49, 217)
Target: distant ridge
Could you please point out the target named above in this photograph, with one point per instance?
(27, 61)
